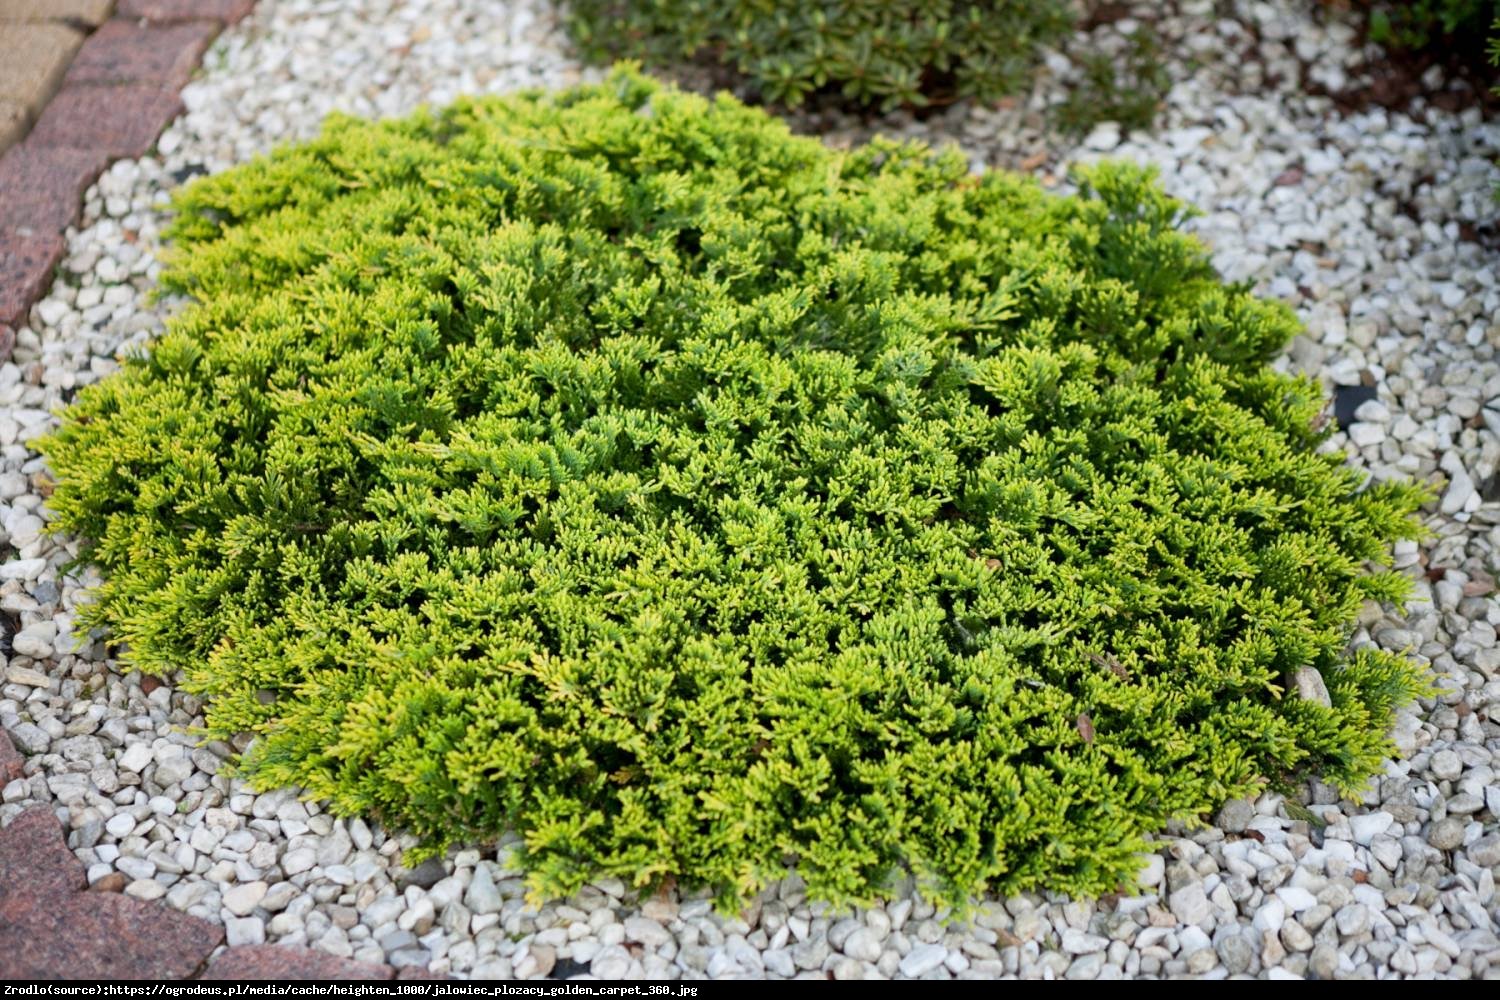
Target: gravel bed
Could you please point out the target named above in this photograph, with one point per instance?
(1372, 224)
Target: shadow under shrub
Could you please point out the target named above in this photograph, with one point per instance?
(615, 466)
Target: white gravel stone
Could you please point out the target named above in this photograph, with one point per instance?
(1309, 685)
(30, 738)
(33, 640)
(136, 757)
(1190, 905)
(240, 931)
(646, 931)
(25, 676)
(1296, 899)
(863, 944)
(241, 900)
(1367, 826)
(482, 897)
(923, 959)
(146, 889)
(1366, 435)
(298, 861)
(120, 825)
(22, 569)
(1459, 493)
(1485, 852)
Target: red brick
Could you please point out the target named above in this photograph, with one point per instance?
(121, 121)
(269, 961)
(26, 267)
(7, 341)
(44, 185)
(11, 761)
(228, 11)
(102, 935)
(130, 52)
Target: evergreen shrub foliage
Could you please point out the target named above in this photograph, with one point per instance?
(616, 467)
(873, 52)
(1129, 89)
(1417, 24)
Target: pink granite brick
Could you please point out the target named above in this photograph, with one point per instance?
(228, 11)
(122, 51)
(121, 120)
(44, 185)
(27, 263)
(49, 929)
(35, 863)
(12, 763)
(103, 935)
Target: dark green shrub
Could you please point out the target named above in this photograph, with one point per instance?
(1130, 90)
(693, 498)
(1492, 53)
(874, 52)
(1492, 50)
(1417, 24)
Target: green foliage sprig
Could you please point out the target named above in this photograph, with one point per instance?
(614, 466)
(884, 53)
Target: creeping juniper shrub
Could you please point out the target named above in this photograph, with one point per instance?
(614, 466)
(880, 53)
